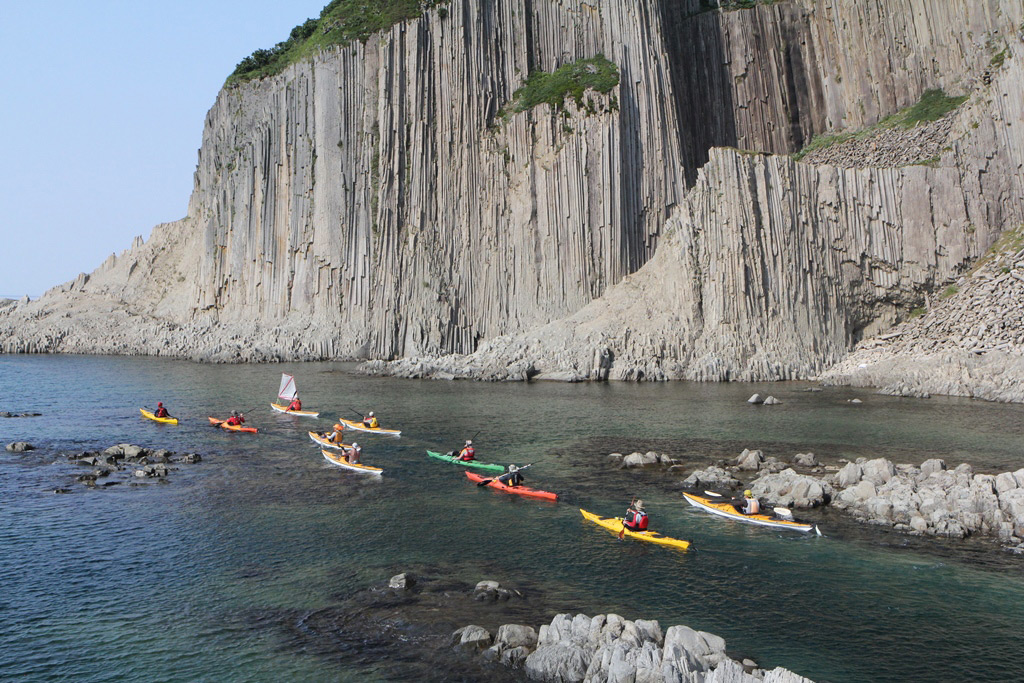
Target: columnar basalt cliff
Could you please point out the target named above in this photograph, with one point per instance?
(380, 201)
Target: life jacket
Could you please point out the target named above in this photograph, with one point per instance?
(636, 520)
(371, 423)
(467, 453)
(353, 454)
(295, 405)
(161, 412)
(234, 421)
(752, 506)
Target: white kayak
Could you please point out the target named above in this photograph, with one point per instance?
(301, 413)
(342, 461)
(360, 427)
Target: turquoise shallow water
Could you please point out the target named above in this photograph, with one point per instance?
(208, 576)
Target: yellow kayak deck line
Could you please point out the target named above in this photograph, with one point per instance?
(154, 418)
(330, 444)
(342, 461)
(725, 508)
(301, 413)
(614, 525)
(359, 426)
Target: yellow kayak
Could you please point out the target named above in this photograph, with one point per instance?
(614, 525)
(154, 418)
(359, 426)
(284, 409)
(342, 461)
(330, 444)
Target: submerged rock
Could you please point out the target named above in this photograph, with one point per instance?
(20, 447)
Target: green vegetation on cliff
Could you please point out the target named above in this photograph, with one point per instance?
(340, 23)
(574, 79)
(933, 105)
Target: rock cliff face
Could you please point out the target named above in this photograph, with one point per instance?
(372, 202)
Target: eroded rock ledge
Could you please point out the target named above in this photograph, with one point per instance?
(608, 648)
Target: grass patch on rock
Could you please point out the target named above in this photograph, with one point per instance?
(340, 23)
(569, 80)
(933, 105)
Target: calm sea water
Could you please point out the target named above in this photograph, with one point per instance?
(206, 577)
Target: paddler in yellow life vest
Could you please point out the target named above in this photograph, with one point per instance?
(370, 422)
(335, 436)
(751, 505)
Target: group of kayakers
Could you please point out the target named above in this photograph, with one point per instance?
(635, 519)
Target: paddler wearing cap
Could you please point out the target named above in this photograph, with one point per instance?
(751, 505)
(635, 518)
(513, 477)
(468, 453)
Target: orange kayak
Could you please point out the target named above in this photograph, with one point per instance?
(234, 428)
(494, 483)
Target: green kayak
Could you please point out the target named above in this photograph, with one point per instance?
(485, 466)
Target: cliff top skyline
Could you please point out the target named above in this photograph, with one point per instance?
(107, 103)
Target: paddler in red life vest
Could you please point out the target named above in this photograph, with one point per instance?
(468, 453)
(751, 505)
(236, 419)
(353, 454)
(296, 404)
(370, 422)
(635, 518)
(160, 410)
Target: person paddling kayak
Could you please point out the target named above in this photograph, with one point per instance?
(370, 422)
(468, 453)
(237, 419)
(160, 410)
(353, 454)
(335, 436)
(750, 505)
(513, 477)
(635, 518)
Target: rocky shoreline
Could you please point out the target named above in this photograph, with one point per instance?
(925, 500)
(611, 649)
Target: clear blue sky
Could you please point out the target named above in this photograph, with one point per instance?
(101, 116)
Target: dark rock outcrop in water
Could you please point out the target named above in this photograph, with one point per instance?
(373, 203)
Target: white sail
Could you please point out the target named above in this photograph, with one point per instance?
(287, 391)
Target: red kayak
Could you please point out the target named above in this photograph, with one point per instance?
(235, 428)
(519, 490)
